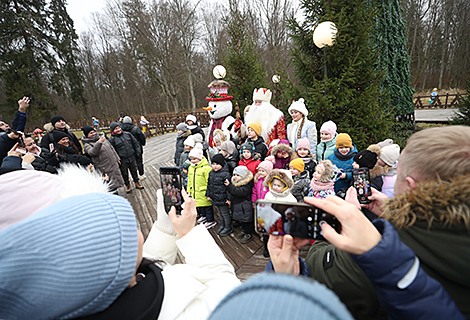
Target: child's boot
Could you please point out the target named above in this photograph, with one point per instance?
(227, 223)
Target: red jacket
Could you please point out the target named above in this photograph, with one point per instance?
(250, 164)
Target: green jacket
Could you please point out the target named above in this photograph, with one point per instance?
(431, 220)
(197, 182)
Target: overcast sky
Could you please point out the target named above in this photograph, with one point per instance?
(80, 11)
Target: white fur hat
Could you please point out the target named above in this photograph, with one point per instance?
(262, 94)
(299, 105)
(192, 118)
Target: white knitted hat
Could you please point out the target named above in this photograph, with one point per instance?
(299, 105)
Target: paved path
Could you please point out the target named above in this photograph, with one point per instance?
(434, 115)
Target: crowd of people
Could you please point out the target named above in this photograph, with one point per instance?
(113, 157)
(403, 255)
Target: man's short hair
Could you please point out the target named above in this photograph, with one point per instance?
(437, 153)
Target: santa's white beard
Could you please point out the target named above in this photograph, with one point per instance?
(265, 114)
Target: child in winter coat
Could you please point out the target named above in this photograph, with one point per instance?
(282, 153)
(230, 153)
(259, 190)
(254, 131)
(300, 177)
(240, 188)
(217, 193)
(198, 175)
(303, 152)
(280, 184)
(182, 134)
(388, 159)
(191, 121)
(184, 158)
(342, 158)
(327, 144)
(323, 182)
(247, 157)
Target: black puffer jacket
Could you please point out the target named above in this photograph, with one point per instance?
(260, 147)
(41, 164)
(127, 147)
(240, 194)
(135, 131)
(216, 188)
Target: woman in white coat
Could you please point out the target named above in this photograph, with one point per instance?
(301, 127)
(87, 260)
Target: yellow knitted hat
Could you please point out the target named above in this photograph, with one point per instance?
(297, 164)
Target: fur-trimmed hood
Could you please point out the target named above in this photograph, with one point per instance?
(376, 171)
(441, 202)
(282, 147)
(281, 174)
(49, 127)
(244, 180)
(221, 134)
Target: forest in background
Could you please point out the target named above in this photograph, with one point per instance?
(142, 57)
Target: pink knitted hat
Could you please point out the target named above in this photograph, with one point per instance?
(329, 127)
(196, 152)
(267, 164)
(303, 144)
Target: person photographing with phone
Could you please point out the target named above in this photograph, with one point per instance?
(402, 269)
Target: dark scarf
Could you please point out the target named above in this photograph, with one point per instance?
(344, 157)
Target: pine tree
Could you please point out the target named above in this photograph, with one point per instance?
(350, 94)
(244, 69)
(463, 115)
(37, 55)
(390, 38)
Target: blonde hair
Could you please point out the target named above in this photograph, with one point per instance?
(436, 153)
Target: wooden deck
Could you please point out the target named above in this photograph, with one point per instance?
(247, 259)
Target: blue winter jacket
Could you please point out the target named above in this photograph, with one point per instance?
(345, 166)
(326, 148)
(403, 288)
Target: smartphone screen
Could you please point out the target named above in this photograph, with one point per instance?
(171, 186)
(300, 220)
(361, 181)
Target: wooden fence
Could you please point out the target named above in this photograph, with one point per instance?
(158, 124)
(447, 101)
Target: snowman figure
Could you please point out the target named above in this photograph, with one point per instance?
(219, 109)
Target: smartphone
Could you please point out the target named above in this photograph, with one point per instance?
(170, 178)
(361, 181)
(300, 220)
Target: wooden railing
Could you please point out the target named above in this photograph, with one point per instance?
(158, 124)
(447, 101)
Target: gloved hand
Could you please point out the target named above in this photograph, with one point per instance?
(163, 220)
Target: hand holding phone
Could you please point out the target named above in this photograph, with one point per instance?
(361, 181)
(170, 178)
(357, 235)
(297, 219)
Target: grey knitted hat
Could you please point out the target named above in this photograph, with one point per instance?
(70, 259)
(276, 296)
